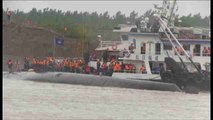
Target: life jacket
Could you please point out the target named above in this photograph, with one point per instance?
(117, 67)
(142, 69)
(9, 62)
(127, 67)
(87, 69)
(77, 65)
(70, 65)
(104, 66)
(34, 62)
(130, 67)
(209, 51)
(177, 49)
(133, 67)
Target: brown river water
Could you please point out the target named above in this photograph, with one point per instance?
(50, 101)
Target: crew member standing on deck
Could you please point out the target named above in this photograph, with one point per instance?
(10, 65)
(98, 66)
(142, 69)
(9, 14)
(18, 66)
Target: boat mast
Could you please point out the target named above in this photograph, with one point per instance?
(167, 11)
(171, 14)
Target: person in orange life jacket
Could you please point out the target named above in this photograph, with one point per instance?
(208, 51)
(117, 67)
(131, 47)
(77, 67)
(122, 67)
(110, 69)
(142, 69)
(34, 63)
(44, 65)
(104, 68)
(87, 69)
(127, 68)
(130, 68)
(204, 52)
(73, 66)
(10, 65)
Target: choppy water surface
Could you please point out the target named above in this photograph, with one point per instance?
(37, 100)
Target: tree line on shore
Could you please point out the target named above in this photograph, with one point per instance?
(86, 26)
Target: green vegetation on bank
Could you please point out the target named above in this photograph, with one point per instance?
(84, 25)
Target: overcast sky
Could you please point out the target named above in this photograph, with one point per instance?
(185, 7)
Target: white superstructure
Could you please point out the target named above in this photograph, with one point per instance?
(151, 47)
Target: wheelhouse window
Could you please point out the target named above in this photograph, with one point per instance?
(157, 48)
(143, 48)
(167, 47)
(186, 47)
(124, 37)
(196, 50)
(134, 43)
(155, 66)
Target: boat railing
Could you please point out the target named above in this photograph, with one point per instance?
(108, 43)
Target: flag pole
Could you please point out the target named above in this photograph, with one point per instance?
(54, 48)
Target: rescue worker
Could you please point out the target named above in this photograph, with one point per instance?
(117, 67)
(208, 51)
(142, 69)
(131, 47)
(26, 64)
(204, 51)
(9, 14)
(180, 51)
(127, 68)
(77, 67)
(110, 69)
(18, 66)
(122, 67)
(34, 64)
(105, 55)
(98, 66)
(133, 69)
(104, 69)
(10, 65)
(87, 69)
